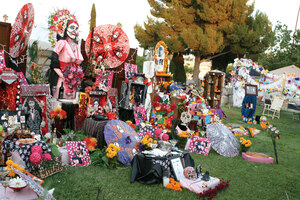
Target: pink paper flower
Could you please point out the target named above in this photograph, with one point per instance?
(35, 158)
(165, 137)
(60, 13)
(52, 28)
(157, 132)
(149, 134)
(46, 156)
(67, 12)
(36, 149)
(55, 18)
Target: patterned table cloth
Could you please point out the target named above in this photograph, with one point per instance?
(24, 150)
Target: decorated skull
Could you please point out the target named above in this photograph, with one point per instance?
(190, 173)
(185, 117)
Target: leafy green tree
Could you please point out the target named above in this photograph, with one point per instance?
(140, 62)
(285, 49)
(249, 40)
(200, 26)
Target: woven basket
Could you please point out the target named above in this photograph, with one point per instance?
(49, 171)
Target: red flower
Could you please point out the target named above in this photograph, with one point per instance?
(111, 116)
(145, 81)
(155, 104)
(164, 107)
(1, 72)
(132, 126)
(88, 89)
(126, 80)
(173, 106)
(157, 98)
(134, 78)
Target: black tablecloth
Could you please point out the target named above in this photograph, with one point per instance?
(24, 149)
(94, 128)
(149, 170)
(294, 106)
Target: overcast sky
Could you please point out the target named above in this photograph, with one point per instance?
(128, 13)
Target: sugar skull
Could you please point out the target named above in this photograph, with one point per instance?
(185, 117)
(190, 173)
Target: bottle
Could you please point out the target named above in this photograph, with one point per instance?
(61, 91)
(54, 137)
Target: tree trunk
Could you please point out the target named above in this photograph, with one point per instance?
(197, 68)
(177, 68)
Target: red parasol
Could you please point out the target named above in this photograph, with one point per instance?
(21, 30)
(110, 45)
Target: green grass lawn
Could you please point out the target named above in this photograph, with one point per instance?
(248, 180)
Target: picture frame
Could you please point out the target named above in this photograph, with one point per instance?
(78, 153)
(105, 78)
(12, 119)
(177, 167)
(130, 70)
(251, 89)
(139, 114)
(199, 145)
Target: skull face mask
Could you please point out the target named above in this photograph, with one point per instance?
(72, 30)
(185, 117)
(190, 173)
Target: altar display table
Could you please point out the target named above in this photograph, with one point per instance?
(148, 169)
(25, 194)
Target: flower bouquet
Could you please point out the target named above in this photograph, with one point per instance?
(73, 76)
(11, 172)
(58, 115)
(91, 143)
(245, 144)
(174, 185)
(112, 155)
(44, 164)
(182, 139)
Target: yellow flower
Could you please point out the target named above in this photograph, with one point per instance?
(91, 148)
(9, 162)
(57, 109)
(93, 139)
(155, 141)
(21, 169)
(11, 173)
(15, 165)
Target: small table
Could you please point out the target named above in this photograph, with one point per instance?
(25, 194)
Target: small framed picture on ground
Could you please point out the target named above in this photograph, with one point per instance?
(177, 167)
(251, 90)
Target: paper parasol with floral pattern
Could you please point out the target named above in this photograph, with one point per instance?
(109, 45)
(21, 30)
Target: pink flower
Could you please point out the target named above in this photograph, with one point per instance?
(55, 18)
(165, 137)
(60, 13)
(73, 69)
(46, 156)
(70, 76)
(35, 158)
(73, 82)
(36, 149)
(67, 12)
(52, 28)
(157, 132)
(149, 134)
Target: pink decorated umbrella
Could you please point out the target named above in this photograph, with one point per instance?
(21, 30)
(110, 45)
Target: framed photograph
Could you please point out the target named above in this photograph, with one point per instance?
(78, 153)
(12, 119)
(130, 70)
(106, 78)
(199, 145)
(251, 90)
(139, 115)
(177, 167)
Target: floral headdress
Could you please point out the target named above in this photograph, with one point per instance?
(57, 23)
